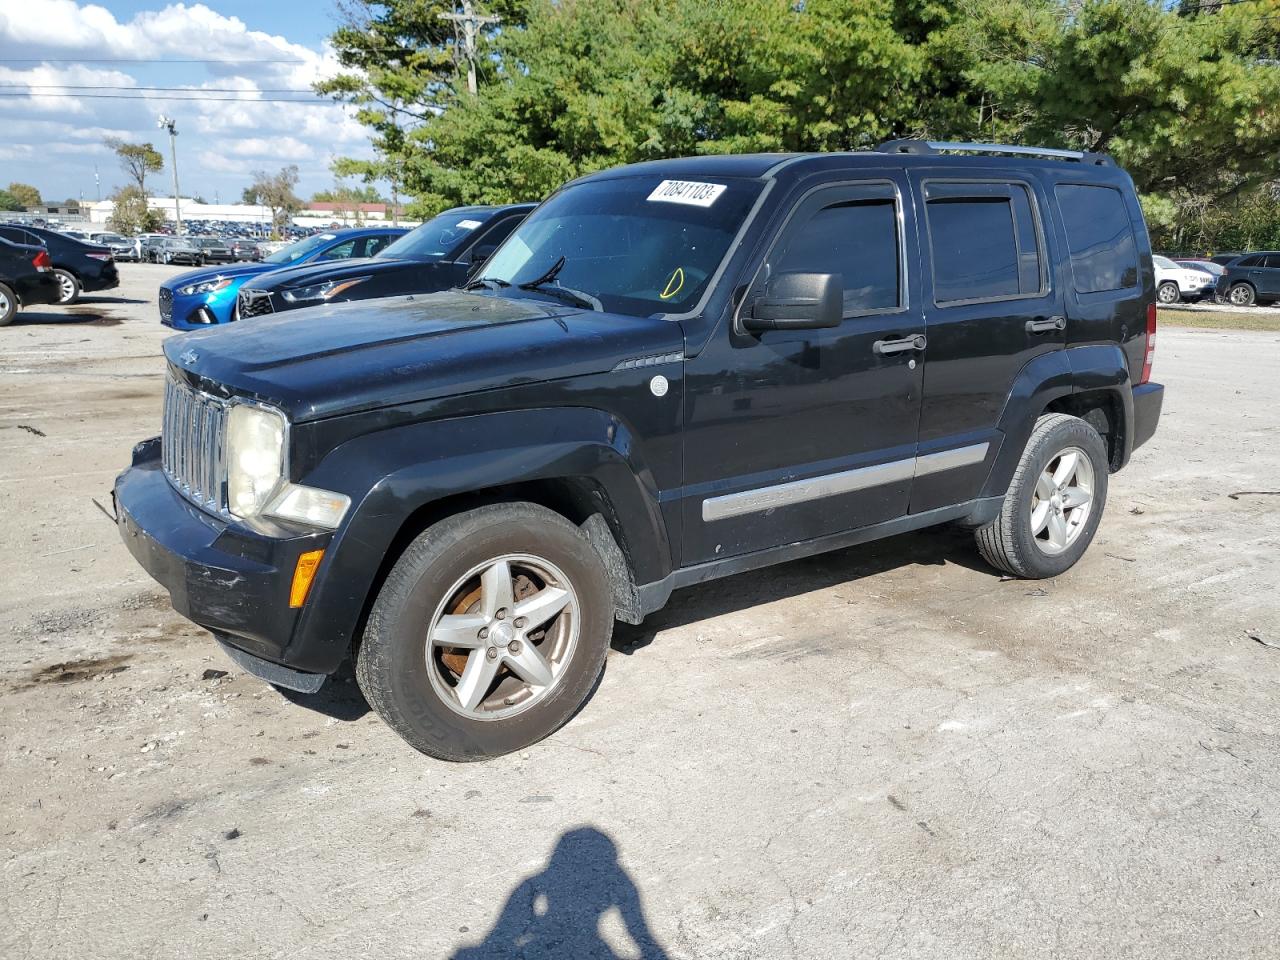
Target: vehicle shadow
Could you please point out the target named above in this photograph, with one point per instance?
(558, 912)
(936, 546)
(340, 697)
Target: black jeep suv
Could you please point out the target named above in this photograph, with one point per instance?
(670, 372)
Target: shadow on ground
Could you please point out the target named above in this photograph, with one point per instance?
(558, 912)
(935, 547)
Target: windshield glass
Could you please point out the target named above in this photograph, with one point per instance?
(1164, 262)
(296, 251)
(639, 245)
(435, 238)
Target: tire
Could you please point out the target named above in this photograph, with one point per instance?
(8, 305)
(70, 287)
(1168, 292)
(1022, 544)
(419, 686)
(1242, 295)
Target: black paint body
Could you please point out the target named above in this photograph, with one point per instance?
(19, 274)
(97, 272)
(415, 406)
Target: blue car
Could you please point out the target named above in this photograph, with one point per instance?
(199, 298)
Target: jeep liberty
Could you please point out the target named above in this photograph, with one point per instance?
(670, 372)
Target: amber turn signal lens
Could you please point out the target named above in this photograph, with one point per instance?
(303, 574)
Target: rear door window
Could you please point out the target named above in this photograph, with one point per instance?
(985, 242)
(1100, 237)
(1273, 261)
(1250, 262)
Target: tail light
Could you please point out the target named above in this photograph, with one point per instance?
(1150, 354)
(42, 262)
(104, 257)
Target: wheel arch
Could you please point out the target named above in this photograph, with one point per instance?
(579, 462)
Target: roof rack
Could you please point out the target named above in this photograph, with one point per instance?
(931, 147)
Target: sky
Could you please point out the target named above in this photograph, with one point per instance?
(51, 136)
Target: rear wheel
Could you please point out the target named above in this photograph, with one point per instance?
(68, 287)
(488, 634)
(1168, 292)
(8, 305)
(1054, 504)
(1242, 295)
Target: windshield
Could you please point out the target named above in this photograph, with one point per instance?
(638, 245)
(296, 251)
(1165, 262)
(210, 242)
(435, 238)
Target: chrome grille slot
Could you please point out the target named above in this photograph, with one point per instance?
(193, 445)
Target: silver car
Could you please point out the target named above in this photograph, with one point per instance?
(178, 250)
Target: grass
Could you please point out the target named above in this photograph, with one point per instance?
(1264, 320)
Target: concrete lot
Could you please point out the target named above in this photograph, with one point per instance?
(884, 752)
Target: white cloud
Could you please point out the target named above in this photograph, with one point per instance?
(53, 138)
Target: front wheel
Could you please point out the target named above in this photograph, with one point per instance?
(488, 634)
(1054, 504)
(68, 287)
(1168, 292)
(1242, 295)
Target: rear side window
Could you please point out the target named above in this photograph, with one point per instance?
(984, 241)
(1249, 262)
(858, 240)
(1104, 250)
(1273, 261)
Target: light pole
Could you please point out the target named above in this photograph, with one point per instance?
(168, 123)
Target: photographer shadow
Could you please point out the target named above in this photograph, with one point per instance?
(558, 912)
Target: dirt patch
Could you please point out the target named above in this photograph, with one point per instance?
(76, 671)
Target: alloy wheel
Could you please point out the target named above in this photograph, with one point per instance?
(1240, 295)
(1167, 293)
(66, 288)
(1062, 501)
(502, 637)
(5, 304)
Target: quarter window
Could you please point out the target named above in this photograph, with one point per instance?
(858, 240)
(984, 241)
(1104, 250)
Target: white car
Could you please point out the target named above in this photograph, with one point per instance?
(1175, 283)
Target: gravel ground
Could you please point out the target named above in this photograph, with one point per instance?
(886, 751)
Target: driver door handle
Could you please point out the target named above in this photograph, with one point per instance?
(885, 347)
(1045, 326)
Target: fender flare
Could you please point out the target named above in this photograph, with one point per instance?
(1050, 377)
(393, 474)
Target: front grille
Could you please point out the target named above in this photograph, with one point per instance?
(193, 445)
(254, 303)
(166, 304)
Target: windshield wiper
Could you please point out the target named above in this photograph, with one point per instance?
(489, 283)
(544, 284)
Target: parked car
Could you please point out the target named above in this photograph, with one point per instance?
(435, 256)
(1175, 283)
(215, 249)
(26, 279)
(80, 267)
(178, 250)
(199, 298)
(1225, 258)
(1215, 270)
(243, 249)
(1251, 279)
(121, 247)
(668, 373)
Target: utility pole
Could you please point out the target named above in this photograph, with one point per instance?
(168, 123)
(467, 25)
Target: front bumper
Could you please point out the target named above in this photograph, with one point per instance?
(198, 311)
(222, 576)
(1148, 399)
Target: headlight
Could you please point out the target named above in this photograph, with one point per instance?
(205, 286)
(256, 483)
(320, 291)
(255, 458)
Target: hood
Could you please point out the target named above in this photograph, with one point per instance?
(210, 273)
(306, 274)
(348, 357)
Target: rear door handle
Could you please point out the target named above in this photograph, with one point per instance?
(885, 347)
(1045, 326)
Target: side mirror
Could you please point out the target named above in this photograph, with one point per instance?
(797, 301)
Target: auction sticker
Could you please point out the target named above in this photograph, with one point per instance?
(689, 192)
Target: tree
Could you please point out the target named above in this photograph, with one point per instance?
(137, 160)
(275, 192)
(130, 213)
(25, 194)
(9, 202)
(349, 195)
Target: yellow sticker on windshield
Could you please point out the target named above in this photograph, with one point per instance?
(674, 285)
